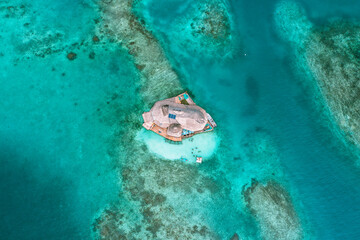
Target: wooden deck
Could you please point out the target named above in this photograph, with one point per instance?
(162, 132)
(181, 97)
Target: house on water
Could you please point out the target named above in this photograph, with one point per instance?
(178, 118)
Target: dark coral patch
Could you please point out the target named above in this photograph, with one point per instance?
(92, 55)
(96, 39)
(71, 56)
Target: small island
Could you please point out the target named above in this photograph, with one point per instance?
(177, 118)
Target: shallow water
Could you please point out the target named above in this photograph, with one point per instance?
(203, 145)
(59, 126)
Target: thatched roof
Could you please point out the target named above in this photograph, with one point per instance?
(174, 130)
(190, 117)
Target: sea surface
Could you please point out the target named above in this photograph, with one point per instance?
(59, 154)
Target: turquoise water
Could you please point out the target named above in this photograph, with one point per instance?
(326, 178)
(60, 131)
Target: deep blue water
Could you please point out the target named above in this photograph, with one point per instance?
(56, 170)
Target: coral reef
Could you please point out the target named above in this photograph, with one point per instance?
(41, 40)
(272, 207)
(207, 29)
(333, 57)
(213, 22)
(270, 201)
(153, 192)
(160, 218)
(71, 56)
(12, 11)
(235, 237)
(155, 189)
(96, 39)
(166, 199)
(329, 56)
(36, 44)
(122, 25)
(291, 22)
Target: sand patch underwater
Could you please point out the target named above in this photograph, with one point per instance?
(203, 145)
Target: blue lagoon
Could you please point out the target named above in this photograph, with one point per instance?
(279, 78)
